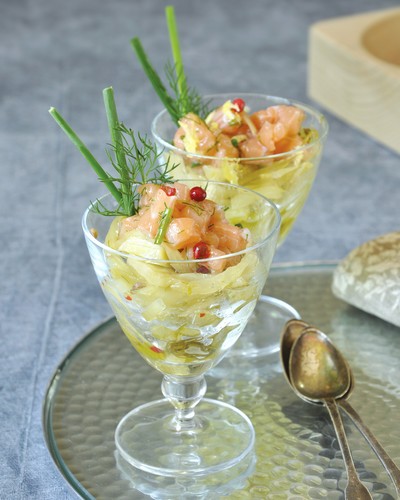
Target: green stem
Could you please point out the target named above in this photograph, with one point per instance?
(102, 174)
(163, 227)
(176, 53)
(117, 142)
(113, 125)
(155, 80)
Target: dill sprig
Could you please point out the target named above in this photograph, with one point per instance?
(184, 99)
(190, 101)
(134, 158)
(142, 166)
(119, 162)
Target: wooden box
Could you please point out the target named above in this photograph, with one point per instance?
(354, 71)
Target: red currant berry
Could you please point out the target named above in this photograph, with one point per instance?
(197, 193)
(239, 103)
(201, 250)
(169, 190)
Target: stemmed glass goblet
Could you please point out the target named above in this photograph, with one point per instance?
(182, 321)
(284, 176)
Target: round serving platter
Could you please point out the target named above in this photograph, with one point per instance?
(296, 452)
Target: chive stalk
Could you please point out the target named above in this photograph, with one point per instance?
(101, 173)
(177, 56)
(163, 227)
(153, 77)
(114, 125)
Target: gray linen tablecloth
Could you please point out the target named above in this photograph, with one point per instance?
(63, 53)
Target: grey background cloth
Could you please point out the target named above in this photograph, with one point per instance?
(63, 53)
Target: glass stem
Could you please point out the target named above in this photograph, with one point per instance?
(184, 394)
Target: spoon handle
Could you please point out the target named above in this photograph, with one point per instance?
(355, 490)
(387, 462)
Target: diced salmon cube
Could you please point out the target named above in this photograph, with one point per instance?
(150, 215)
(218, 265)
(259, 118)
(211, 238)
(218, 215)
(183, 232)
(128, 224)
(148, 193)
(252, 148)
(230, 237)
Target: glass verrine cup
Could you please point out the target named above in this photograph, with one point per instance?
(285, 178)
(182, 322)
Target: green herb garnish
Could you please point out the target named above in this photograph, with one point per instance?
(185, 99)
(181, 82)
(134, 158)
(102, 174)
(165, 219)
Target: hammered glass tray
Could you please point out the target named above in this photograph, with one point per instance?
(296, 453)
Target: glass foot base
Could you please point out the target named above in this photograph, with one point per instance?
(261, 335)
(220, 437)
(214, 485)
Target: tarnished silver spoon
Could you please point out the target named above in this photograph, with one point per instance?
(319, 373)
(293, 329)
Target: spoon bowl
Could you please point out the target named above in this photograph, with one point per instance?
(317, 369)
(290, 333)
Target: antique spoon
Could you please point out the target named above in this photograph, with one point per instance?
(293, 329)
(319, 373)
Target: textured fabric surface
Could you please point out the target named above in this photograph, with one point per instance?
(62, 54)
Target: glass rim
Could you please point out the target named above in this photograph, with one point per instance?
(308, 109)
(274, 230)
